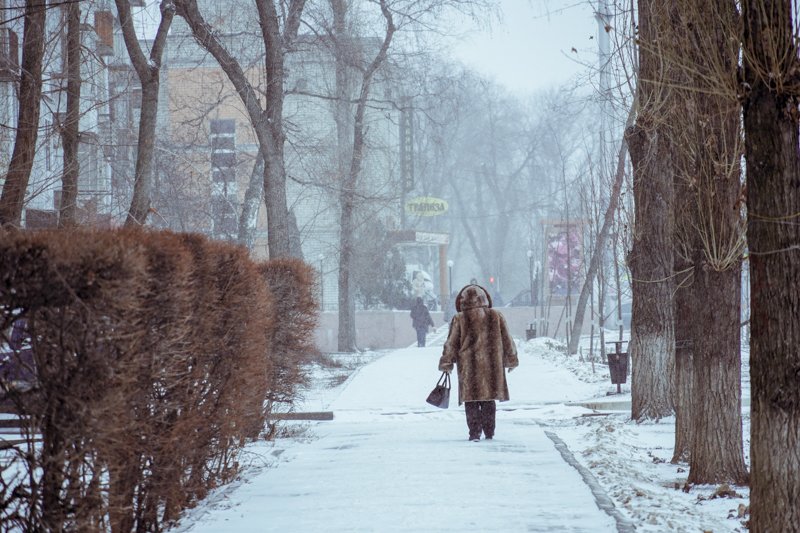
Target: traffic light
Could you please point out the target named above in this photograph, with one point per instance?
(491, 280)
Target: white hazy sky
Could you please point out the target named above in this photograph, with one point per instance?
(530, 48)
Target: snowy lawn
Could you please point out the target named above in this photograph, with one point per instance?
(631, 461)
(390, 462)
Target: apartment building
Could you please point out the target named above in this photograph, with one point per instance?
(96, 203)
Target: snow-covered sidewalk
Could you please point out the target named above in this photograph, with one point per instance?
(390, 462)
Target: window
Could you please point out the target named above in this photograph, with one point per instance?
(104, 28)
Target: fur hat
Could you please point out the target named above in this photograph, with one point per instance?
(472, 296)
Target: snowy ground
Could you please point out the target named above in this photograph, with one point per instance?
(390, 462)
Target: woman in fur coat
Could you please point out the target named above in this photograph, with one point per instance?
(480, 345)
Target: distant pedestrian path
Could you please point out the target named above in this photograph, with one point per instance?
(390, 462)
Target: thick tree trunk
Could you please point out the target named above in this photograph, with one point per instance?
(717, 449)
(716, 454)
(652, 344)
(685, 240)
(773, 201)
(30, 92)
(70, 128)
(708, 236)
(682, 399)
(347, 311)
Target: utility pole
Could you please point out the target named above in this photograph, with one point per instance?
(604, 16)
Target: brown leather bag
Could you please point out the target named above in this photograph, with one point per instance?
(440, 395)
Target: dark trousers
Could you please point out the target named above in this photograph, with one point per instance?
(480, 416)
(421, 334)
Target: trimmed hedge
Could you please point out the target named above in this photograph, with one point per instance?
(157, 356)
(291, 283)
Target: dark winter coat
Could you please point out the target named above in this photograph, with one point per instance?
(420, 316)
(480, 345)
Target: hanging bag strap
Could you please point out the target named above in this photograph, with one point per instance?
(444, 380)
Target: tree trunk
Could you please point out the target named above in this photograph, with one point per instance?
(684, 315)
(278, 222)
(148, 72)
(70, 128)
(773, 201)
(30, 92)
(347, 311)
(652, 344)
(252, 199)
(685, 240)
(716, 454)
(143, 174)
(279, 237)
(713, 135)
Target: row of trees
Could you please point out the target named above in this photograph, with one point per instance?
(701, 67)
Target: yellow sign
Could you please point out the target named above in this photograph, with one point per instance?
(426, 206)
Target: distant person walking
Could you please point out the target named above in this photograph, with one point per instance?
(420, 320)
(480, 345)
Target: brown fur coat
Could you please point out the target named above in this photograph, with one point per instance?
(480, 345)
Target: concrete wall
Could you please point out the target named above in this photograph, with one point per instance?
(377, 330)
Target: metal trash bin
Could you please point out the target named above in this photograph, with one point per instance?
(530, 333)
(617, 365)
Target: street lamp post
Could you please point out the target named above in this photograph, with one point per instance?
(530, 271)
(450, 277)
(321, 284)
(450, 304)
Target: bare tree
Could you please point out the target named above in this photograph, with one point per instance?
(484, 154)
(652, 345)
(710, 143)
(267, 121)
(600, 242)
(148, 70)
(350, 171)
(30, 91)
(697, 46)
(771, 91)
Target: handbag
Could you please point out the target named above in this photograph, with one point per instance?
(440, 395)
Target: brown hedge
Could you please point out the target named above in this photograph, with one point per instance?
(157, 356)
(291, 283)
